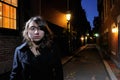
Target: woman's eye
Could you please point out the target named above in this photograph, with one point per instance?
(32, 28)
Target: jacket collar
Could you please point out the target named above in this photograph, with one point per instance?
(23, 45)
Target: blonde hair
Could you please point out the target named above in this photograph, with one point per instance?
(41, 22)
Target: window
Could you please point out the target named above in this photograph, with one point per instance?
(8, 14)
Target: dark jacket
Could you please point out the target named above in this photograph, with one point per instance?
(46, 66)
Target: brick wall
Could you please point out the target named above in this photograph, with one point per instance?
(7, 47)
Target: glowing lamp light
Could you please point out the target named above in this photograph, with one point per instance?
(85, 37)
(82, 38)
(96, 35)
(68, 16)
(114, 30)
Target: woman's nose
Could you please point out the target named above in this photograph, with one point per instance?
(36, 31)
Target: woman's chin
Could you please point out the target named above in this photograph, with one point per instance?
(36, 40)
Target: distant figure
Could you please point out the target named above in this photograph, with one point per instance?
(38, 58)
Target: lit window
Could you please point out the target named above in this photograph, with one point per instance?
(8, 14)
(0, 14)
(14, 2)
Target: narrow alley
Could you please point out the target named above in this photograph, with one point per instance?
(86, 65)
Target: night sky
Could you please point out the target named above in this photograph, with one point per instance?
(90, 7)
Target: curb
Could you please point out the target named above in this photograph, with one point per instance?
(68, 58)
(110, 72)
(107, 66)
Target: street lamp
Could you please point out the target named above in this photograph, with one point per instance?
(68, 17)
(114, 30)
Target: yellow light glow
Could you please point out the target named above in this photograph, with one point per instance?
(0, 13)
(68, 16)
(86, 37)
(0, 17)
(82, 38)
(114, 30)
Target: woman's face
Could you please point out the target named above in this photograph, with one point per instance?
(34, 32)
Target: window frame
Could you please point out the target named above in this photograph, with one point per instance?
(9, 31)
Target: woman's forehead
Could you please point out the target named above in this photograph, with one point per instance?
(32, 23)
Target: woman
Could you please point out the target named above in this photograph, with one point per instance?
(37, 58)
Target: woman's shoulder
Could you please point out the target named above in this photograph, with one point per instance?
(21, 46)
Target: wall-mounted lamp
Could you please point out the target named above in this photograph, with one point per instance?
(96, 35)
(114, 29)
(82, 38)
(68, 16)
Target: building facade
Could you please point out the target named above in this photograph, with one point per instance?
(109, 12)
